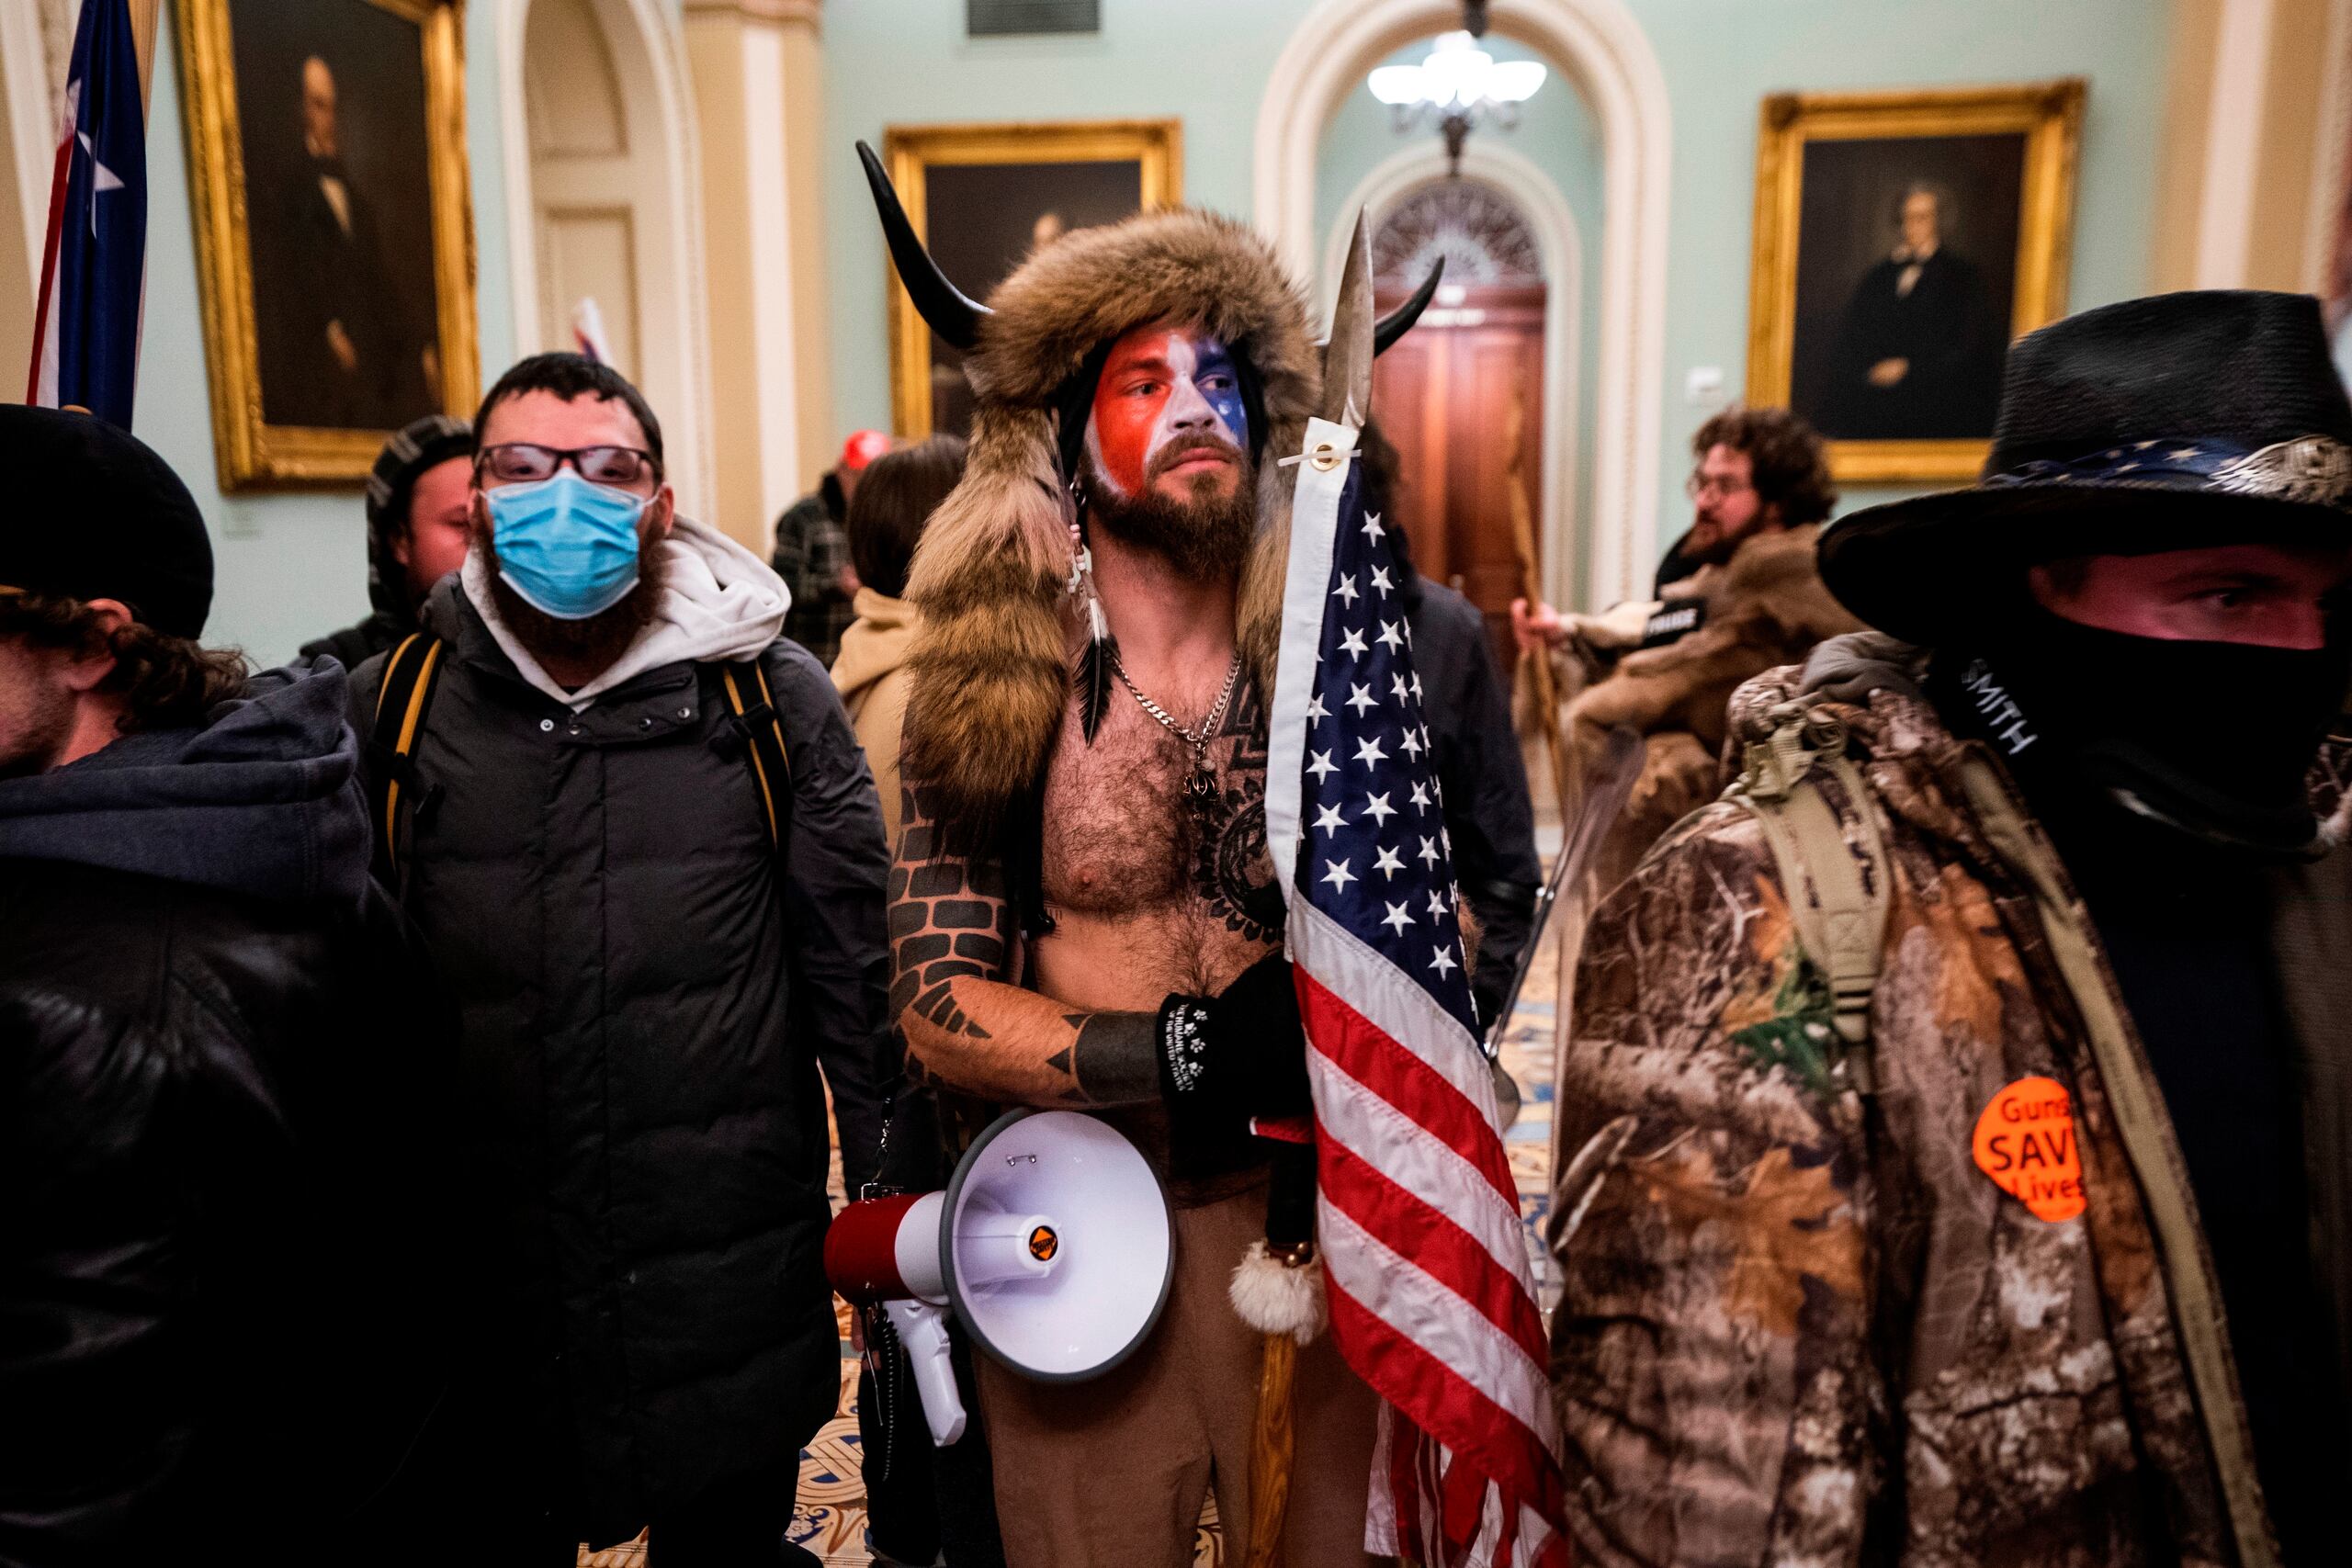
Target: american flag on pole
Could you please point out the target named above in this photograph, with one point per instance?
(1425, 1261)
(94, 270)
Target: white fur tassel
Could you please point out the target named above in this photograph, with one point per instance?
(1275, 1297)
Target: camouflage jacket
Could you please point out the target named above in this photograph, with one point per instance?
(1801, 1322)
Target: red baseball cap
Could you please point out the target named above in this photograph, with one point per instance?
(862, 448)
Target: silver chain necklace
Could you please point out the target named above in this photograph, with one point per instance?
(1200, 785)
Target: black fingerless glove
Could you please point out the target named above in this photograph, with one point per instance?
(1225, 1059)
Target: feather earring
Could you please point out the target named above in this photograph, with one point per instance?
(1094, 664)
(1101, 653)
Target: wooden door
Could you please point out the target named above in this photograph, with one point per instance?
(1444, 395)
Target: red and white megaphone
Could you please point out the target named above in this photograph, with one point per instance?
(1052, 1243)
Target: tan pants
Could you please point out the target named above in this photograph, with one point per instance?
(1111, 1474)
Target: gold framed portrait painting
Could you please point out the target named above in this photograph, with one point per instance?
(1903, 241)
(983, 196)
(334, 244)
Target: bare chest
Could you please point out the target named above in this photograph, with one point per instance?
(1149, 890)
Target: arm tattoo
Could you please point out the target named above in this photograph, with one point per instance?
(1116, 1057)
(965, 1022)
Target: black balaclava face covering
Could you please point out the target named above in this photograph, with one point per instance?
(2213, 740)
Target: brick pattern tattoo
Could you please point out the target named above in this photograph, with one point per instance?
(968, 1025)
(949, 918)
(963, 1022)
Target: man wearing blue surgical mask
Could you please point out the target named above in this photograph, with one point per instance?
(638, 833)
(572, 506)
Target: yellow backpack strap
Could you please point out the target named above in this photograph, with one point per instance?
(756, 721)
(401, 702)
(1836, 887)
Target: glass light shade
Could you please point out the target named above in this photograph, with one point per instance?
(1397, 85)
(1457, 73)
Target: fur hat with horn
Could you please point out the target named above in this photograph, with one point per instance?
(991, 664)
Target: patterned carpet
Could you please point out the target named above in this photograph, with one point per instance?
(829, 1516)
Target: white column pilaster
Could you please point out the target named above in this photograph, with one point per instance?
(754, 68)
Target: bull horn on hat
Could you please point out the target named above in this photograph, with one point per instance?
(957, 316)
(952, 315)
(1398, 322)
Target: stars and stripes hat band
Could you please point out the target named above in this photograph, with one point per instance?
(2181, 421)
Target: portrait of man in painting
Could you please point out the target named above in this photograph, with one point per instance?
(1905, 286)
(332, 115)
(985, 217)
(986, 198)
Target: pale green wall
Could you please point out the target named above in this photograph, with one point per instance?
(1721, 57)
(289, 566)
(906, 61)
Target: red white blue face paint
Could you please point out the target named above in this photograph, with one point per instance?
(1166, 396)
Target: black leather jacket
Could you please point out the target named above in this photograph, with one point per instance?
(227, 1252)
(220, 1232)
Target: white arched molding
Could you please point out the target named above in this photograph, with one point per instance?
(1558, 241)
(1603, 52)
(676, 325)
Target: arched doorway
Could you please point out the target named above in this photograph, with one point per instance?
(582, 179)
(1600, 48)
(1561, 490)
(602, 203)
(1456, 390)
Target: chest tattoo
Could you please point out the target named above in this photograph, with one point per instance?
(1230, 867)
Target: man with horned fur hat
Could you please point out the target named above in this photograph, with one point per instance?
(1084, 913)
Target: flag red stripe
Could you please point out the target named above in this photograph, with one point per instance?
(1367, 1055)
(1447, 1407)
(1447, 1252)
(1353, 1116)
(57, 182)
(1464, 1491)
(1404, 1447)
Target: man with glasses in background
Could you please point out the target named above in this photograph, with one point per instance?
(1738, 594)
(638, 835)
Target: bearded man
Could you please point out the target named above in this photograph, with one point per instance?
(1738, 594)
(1084, 911)
(654, 950)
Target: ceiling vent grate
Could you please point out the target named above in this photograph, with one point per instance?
(999, 19)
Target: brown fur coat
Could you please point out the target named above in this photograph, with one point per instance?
(1766, 608)
(991, 665)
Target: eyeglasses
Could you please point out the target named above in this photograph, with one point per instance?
(1700, 485)
(523, 462)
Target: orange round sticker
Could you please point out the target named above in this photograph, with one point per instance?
(2025, 1142)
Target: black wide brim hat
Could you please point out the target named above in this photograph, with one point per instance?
(2171, 422)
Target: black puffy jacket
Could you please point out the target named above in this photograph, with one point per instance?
(648, 994)
(225, 1226)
